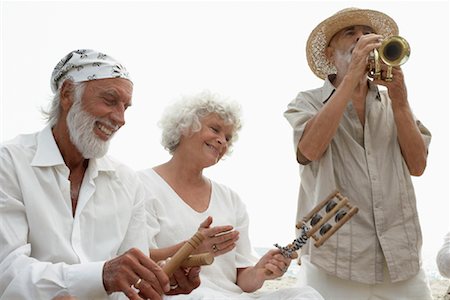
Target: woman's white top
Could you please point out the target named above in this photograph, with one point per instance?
(170, 221)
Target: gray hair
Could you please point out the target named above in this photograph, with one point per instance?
(51, 115)
(184, 116)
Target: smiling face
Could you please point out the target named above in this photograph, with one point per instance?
(208, 145)
(93, 119)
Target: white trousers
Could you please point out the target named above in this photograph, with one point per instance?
(303, 293)
(334, 288)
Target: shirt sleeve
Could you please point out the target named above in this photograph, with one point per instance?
(137, 227)
(151, 212)
(245, 255)
(298, 113)
(443, 257)
(426, 134)
(23, 277)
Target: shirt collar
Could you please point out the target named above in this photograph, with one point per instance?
(47, 152)
(102, 164)
(48, 155)
(373, 88)
(328, 88)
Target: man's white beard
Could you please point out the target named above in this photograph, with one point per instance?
(81, 130)
(343, 58)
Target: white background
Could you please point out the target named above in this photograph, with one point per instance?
(252, 52)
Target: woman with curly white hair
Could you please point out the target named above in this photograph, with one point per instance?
(198, 131)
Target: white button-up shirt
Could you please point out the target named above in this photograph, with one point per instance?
(366, 166)
(44, 250)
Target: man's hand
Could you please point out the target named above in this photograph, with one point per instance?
(136, 275)
(397, 87)
(360, 54)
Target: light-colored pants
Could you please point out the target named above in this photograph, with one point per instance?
(334, 288)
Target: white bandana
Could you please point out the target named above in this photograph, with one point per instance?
(84, 65)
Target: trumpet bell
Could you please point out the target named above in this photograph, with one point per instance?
(394, 51)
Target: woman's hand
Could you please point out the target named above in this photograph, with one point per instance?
(218, 239)
(183, 280)
(272, 265)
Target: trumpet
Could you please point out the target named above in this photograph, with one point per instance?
(394, 51)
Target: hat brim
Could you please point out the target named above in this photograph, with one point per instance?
(321, 35)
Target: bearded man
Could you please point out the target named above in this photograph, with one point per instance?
(361, 137)
(72, 219)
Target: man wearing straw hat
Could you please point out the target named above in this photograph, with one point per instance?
(72, 219)
(364, 141)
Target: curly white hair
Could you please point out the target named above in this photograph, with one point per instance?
(184, 116)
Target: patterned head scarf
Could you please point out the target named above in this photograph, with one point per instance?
(85, 65)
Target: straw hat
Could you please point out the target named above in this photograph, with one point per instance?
(321, 35)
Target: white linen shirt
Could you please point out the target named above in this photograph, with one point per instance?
(366, 165)
(44, 250)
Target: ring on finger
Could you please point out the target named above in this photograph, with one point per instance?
(214, 248)
(136, 285)
(284, 269)
(173, 286)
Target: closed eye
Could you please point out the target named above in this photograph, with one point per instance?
(350, 32)
(109, 101)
